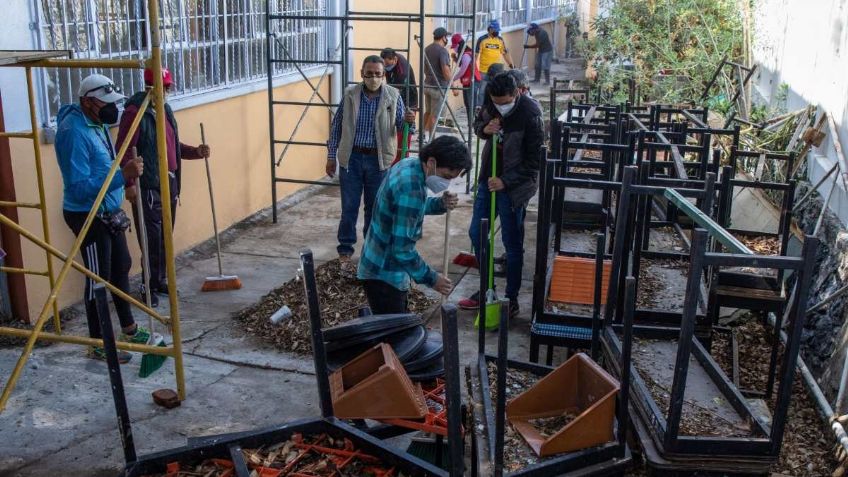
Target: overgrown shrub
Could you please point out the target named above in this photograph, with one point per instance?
(669, 47)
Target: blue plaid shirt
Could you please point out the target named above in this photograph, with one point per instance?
(364, 135)
(389, 252)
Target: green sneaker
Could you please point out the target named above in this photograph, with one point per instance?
(97, 352)
(141, 336)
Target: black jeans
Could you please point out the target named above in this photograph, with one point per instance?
(151, 201)
(107, 255)
(469, 109)
(385, 299)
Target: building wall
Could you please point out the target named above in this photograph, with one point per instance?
(236, 124)
(237, 131)
(805, 46)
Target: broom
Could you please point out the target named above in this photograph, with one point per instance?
(493, 307)
(149, 362)
(221, 282)
(467, 259)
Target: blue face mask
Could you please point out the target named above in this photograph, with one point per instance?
(437, 184)
(389, 67)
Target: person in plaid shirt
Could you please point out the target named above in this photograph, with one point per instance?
(389, 258)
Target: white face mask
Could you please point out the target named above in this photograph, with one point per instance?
(504, 109)
(373, 84)
(436, 183)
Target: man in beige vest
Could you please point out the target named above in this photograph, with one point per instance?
(363, 142)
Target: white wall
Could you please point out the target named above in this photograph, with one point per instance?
(804, 44)
(15, 35)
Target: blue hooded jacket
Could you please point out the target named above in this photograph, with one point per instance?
(85, 153)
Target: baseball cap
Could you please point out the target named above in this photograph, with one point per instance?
(167, 79)
(494, 25)
(100, 87)
(440, 33)
(456, 39)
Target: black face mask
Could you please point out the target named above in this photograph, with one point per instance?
(108, 114)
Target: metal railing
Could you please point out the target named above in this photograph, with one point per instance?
(206, 45)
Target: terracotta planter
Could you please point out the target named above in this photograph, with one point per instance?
(374, 385)
(573, 280)
(578, 387)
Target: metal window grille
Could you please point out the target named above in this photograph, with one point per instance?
(544, 9)
(463, 7)
(207, 44)
(514, 12)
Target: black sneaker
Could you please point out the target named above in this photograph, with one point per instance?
(163, 290)
(154, 298)
(513, 308)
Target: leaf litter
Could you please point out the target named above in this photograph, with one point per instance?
(340, 296)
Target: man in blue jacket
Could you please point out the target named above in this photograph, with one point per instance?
(85, 153)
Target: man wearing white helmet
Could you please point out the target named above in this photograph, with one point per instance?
(85, 152)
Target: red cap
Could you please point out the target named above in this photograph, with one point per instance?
(167, 80)
(456, 39)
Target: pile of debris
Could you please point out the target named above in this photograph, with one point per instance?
(341, 298)
(313, 456)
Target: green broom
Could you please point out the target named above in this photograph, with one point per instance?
(493, 307)
(149, 362)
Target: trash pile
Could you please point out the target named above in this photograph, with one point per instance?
(299, 456)
(341, 298)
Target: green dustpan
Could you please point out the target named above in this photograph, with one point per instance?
(493, 307)
(493, 312)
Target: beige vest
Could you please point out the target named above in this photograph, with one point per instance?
(384, 125)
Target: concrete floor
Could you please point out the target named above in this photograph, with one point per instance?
(60, 419)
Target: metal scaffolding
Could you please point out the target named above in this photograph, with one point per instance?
(340, 57)
(29, 60)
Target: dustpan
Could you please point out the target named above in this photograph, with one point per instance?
(579, 389)
(493, 306)
(374, 385)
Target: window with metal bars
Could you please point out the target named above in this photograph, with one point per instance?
(207, 44)
(514, 12)
(463, 7)
(543, 9)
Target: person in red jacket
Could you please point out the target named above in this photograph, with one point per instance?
(462, 78)
(144, 140)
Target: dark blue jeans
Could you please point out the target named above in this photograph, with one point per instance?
(512, 234)
(362, 174)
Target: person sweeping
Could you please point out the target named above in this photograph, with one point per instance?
(517, 121)
(389, 258)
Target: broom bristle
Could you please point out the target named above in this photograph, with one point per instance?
(221, 283)
(466, 259)
(152, 362)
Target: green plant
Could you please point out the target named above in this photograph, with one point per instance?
(674, 46)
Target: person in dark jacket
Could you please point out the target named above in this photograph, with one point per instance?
(85, 153)
(399, 73)
(517, 120)
(147, 189)
(544, 53)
